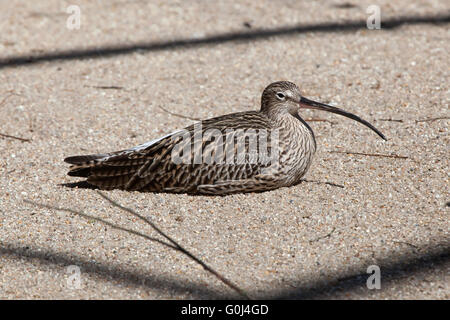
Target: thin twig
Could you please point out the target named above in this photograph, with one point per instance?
(371, 154)
(407, 243)
(433, 119)
(325, 182)
(11, 93)
(173, 244)
(105, 87)
(87, 216)
(323, 237)
(14, 137)
(176, 244)
(178, 115)
(5, 98)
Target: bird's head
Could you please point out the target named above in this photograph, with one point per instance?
(284, 97)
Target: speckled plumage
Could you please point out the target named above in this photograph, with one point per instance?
(151, 166)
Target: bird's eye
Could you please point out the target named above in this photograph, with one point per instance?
(281, 96)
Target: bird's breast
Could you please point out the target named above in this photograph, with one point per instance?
(296, 148)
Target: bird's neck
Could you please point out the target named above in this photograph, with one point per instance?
(292, 123)
(305, 125)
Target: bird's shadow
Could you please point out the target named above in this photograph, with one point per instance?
(86, 185)
(79, 185)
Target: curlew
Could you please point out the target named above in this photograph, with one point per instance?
(240, 152)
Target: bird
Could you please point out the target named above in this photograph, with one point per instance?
(250, 151)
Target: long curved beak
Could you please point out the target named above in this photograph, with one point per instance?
(309, 104)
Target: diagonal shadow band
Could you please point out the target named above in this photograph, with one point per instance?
(253, 35)
(393, 267)
(405, 266)
(110, 272)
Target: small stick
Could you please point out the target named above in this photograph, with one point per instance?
(326, 182)
(174, 244)
(433, 119)
(5, 98)
(106, 87)
(393, 120)
(179, 247)
(87, 216)
(11, 93)
(371, 154)
(14, 137)
(334, 184)
(407, 243)
(179, 115)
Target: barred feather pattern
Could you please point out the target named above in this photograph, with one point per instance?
(151, 167)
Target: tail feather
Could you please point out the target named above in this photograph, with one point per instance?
(106, 171)
(84, 159)
(110, 182)
(81, 165)
(79, 172)
(103, 170)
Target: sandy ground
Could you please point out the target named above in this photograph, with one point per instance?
(313, 240)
